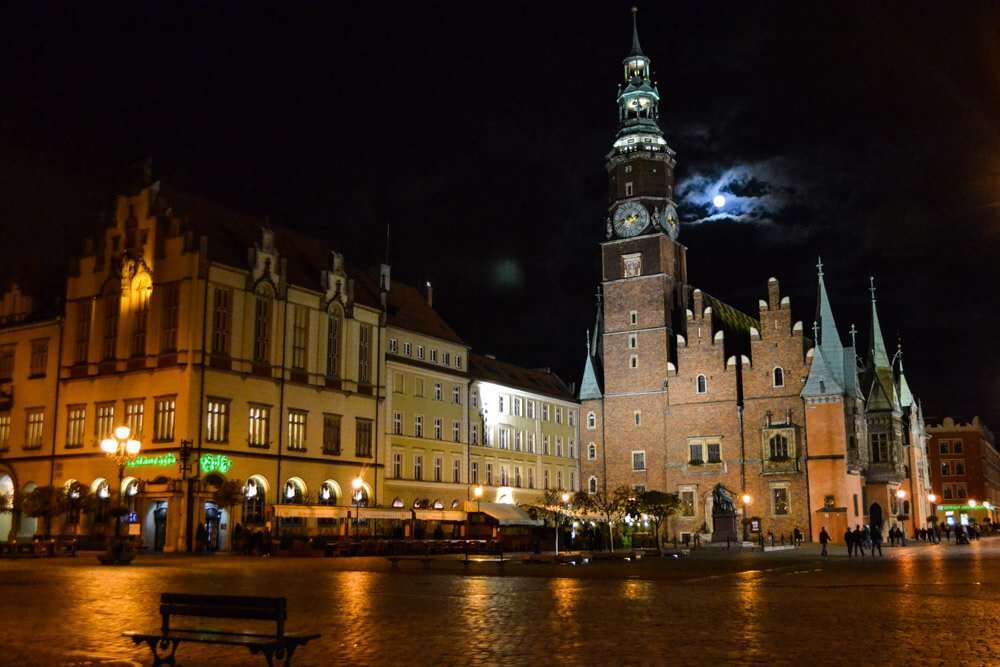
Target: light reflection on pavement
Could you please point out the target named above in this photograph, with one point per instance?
(917, 605)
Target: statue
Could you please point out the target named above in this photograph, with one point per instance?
(724, 528)
(609, 229)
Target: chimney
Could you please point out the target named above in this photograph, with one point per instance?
(430, 294)
(773, 294)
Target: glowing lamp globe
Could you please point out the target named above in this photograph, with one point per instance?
(746, 498)
(932, 497)
(108, 446)
(565, 497)
(132, 447)
(972, 502)
(478, 492)
(356, 483)
(122, 432)
(718, 201)
(900, 494)
(987, 504)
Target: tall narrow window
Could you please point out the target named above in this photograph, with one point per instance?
(259, 427)
(76, 416)
(164, 414)
(437, 428)
(365, 354)
(880, 447)
(217, 422)
(702, 384)
(263, 306)
(34, 428)
(473, 434)
(397, 465)
(171, 308)
(82, 339)
(297, 430)
(109, 344)
(779, 496)
(778, 377)
(104, 423)
(418, 426)
(222, 320)
(300, 337)
(363, 437)
(140, 321)
(456, 431)
(331, 434)
(334, 324)
(638, 461)
(438, 464)
(456, 471)
(39, 357)
(778, 446)
(473, 472)
(418, 466)
(5, 432)
(134, 417)
(7, 362)
(397, 422)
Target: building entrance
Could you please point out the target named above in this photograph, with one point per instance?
(159, 526)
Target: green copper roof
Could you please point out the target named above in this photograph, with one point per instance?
(731, 318)
(877, 354)
(822, 381)
(905, 395)
(636, 49)
(589, 387)
(829, 337)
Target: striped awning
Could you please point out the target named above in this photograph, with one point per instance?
(310, 511)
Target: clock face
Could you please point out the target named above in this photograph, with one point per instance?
(630, 219)
(671, 221)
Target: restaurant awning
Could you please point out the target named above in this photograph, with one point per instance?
(310, 511)
(439, 515)
(506, 515)
(377, 513)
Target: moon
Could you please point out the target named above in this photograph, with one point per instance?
(718, 201)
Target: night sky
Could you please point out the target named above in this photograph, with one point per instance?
(862, 132)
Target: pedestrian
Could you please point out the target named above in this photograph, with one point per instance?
(237, 537)
(824, 537)
(797, 536)
(849, 541)
(876, 537)
(859, 541)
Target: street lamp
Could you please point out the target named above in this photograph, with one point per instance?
(746, 519)
(356, 484)
(121, 449)
(565, 499)
(972, 503)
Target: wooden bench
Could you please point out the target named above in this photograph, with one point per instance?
(426, 560)
(278, 645)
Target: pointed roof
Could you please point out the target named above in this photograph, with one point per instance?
(905, 395)
(822, 381)
(590, 388)
(636, 49)
(828, 337)
(590, 383)
(877, 354)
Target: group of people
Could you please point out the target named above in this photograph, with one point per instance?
(862, 538)
(252, 542)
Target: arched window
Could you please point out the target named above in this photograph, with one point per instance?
(263, 307)
(295, 491)
(334, 334)
(455, 504)
(254, 500)
(778, 446)
(397, 502)
(592, 485)
(591, 421)
(360, 497)
(328, 493)
(906, 507)
(778, 377)
(438, 505)
(702, 384)
(591, 452)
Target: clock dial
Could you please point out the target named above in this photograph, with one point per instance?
(630, 219)
(671, 221)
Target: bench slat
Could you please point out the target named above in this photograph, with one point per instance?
(223, 600)
(222, 612)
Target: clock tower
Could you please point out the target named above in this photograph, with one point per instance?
(643, 264)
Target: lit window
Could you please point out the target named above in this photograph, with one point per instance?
(164, 414)
(35, 428)
(259, 426)
(300, 336)
(297, 429)
(217, 422)
(75, 422)
(779, 501)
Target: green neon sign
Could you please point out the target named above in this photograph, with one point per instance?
(144, 460)
(219, 463)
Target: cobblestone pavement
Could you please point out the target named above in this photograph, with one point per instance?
(918, 605)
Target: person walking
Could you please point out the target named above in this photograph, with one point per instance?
(849, 541)
(824, 538)
(859, 541)
(876, 535)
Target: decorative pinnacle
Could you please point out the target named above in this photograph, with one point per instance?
(819, 267)
(815, 332)
(588, 341)
(636, 49)
(854, 333)
(871, 282)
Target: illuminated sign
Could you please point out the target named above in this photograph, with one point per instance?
(505, 495)
(167, 459)
(219, 463)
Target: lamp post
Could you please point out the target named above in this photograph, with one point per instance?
(356, 484)
(565, 499)
(477, 492)
(746, 519)
(121, 449)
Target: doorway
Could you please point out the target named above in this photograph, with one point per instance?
(213, 522)
(875, 517)
(160, 526)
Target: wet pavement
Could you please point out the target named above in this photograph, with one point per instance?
(918, 605)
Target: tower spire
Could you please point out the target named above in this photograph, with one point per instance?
(828, 338)
(877, 352)
(636, 49)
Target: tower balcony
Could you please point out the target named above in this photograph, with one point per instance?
(781, 465)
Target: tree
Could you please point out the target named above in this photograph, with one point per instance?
(44, 502)
(658, 506)
(610, 506)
